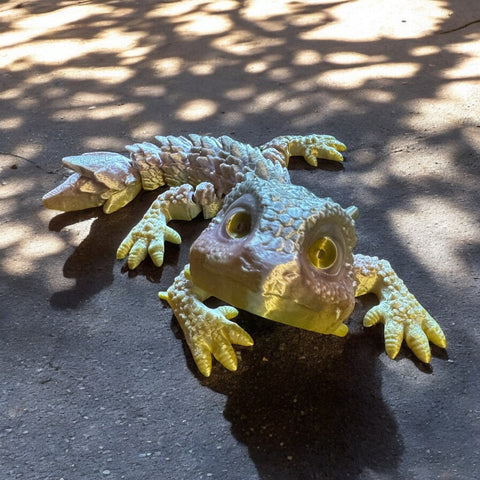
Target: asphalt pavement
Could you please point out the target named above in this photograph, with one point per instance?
(96, 381)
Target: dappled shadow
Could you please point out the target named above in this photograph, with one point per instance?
(91, 263)
(124, 72)
(96, 75)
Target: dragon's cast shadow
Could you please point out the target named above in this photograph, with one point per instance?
(92, 262)
(310, 406)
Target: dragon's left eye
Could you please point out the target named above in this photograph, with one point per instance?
(239, 224)
(323, 253)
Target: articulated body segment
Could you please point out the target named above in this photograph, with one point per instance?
(192, 160)
(112, 180)
(273, 248)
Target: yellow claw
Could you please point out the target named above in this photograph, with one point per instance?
(125, 246)
(394, 333)
(172, 235)
(150, 234)
(312, 153)
(418, 343)
(373, 316)
(341, 331)
(138, 253)
(202, 357)
(398, 329)
(156, 250)
(434, 332)
(223, 351)
(415, 332)
(228, 311)
(163, 296)
(216, 338)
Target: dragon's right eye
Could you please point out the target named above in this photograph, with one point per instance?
(323, 253)
(239, 224)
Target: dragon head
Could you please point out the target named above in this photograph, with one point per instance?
(278, 251)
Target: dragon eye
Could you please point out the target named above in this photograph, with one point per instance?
(323, 253)
(239, 224)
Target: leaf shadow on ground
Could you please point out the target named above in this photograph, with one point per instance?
(324, 414)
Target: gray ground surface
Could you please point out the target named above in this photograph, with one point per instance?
(95, 378)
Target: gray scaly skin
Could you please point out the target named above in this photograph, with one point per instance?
(272, 248)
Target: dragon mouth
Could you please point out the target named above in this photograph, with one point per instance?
(326, 319)
(323, 317)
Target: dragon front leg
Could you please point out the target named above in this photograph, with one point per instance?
(399, 310)
(208, 331)
(178, 203)
(310, 147)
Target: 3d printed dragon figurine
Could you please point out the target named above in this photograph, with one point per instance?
(273, 248)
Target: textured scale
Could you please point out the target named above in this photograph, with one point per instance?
(273, 248)
(398, 309)
(193, 160)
